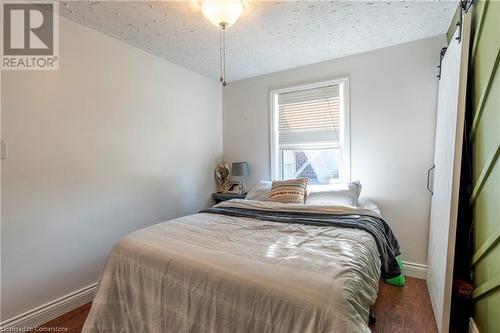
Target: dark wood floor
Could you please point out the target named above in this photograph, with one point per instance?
(406, 309)
(73, 320)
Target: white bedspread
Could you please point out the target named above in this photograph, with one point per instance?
(214, 273)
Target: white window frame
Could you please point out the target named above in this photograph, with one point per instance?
(345, 118)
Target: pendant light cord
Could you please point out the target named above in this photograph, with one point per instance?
(222, 49)
(224, 57)
(220, 53)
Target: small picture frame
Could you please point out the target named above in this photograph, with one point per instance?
(233, 186)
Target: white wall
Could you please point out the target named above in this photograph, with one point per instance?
(393, 98)
(115, 140)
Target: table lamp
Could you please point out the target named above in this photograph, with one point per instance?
(239, 169)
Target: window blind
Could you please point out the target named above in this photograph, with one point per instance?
(309, 118)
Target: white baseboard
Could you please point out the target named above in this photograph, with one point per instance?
(414, 270)
(50, 310)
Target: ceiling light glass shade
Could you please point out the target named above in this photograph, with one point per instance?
(222, 12)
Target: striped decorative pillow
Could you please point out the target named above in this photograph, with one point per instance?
(289, 191)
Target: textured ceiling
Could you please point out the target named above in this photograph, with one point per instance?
(271, 36)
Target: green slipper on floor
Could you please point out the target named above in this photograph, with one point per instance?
(399, 280)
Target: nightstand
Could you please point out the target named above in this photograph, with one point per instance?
(219, 197)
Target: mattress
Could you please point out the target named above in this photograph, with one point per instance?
(216, 273)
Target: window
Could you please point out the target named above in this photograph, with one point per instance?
(310, 133)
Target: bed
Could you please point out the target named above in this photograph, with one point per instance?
(247, 266)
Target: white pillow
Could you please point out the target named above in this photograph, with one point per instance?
(364, 202)
(334, 195)
(260, 191)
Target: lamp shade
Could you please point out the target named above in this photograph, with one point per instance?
(239, 169)
(222, 12)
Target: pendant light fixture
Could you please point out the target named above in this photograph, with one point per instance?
(222, 14)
